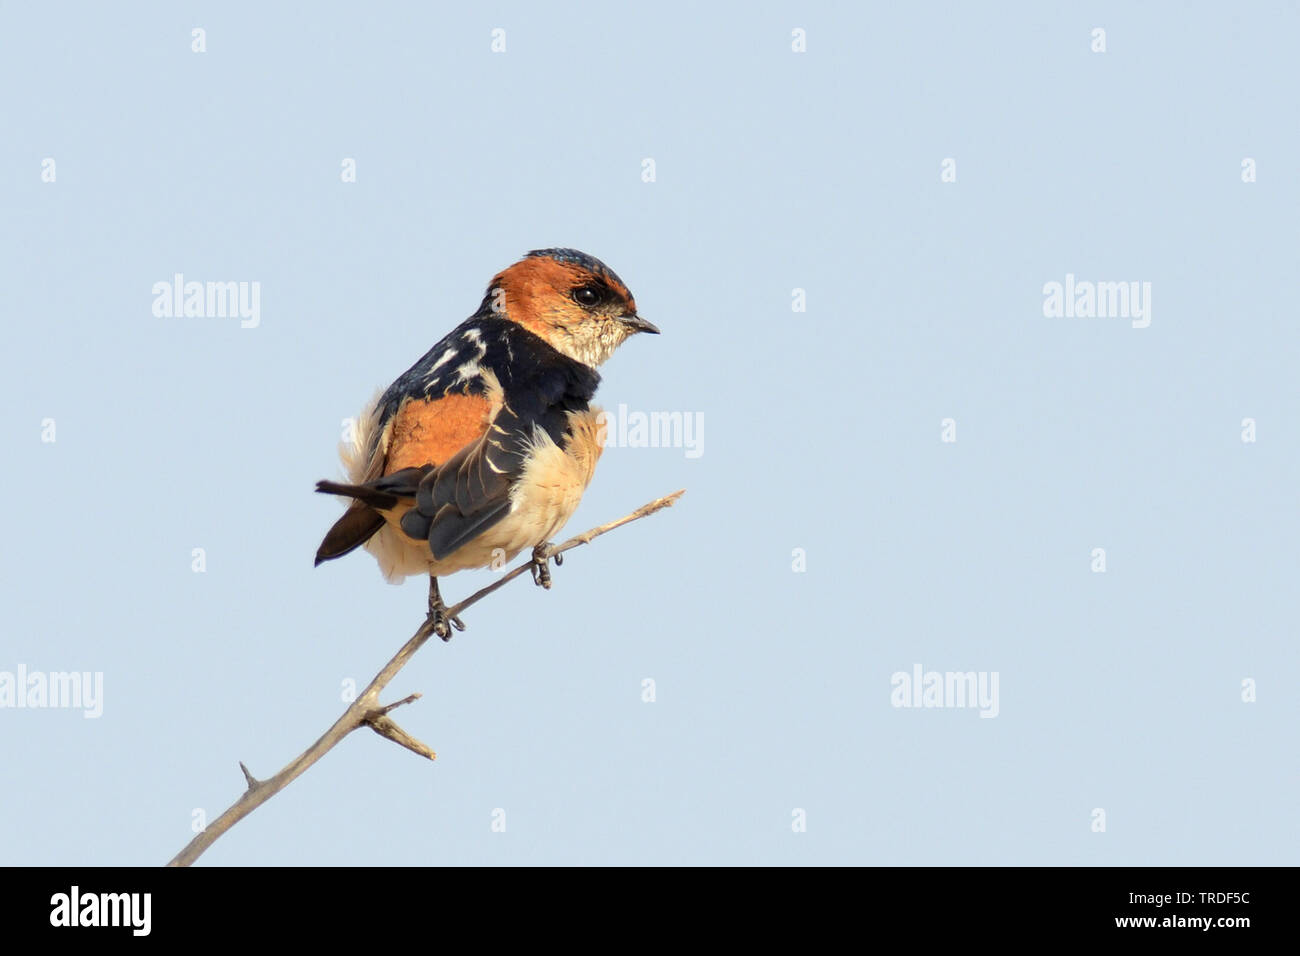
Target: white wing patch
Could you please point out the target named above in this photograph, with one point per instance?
(471, 368)
(447, 356)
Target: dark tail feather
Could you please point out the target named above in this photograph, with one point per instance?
(362, 519)
(350, 532)
(381, 500)
(382, 493)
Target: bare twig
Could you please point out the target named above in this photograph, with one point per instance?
(387, 727)
(585, 538)
(366, 710)
(396, 704)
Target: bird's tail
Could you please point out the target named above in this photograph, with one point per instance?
(363, 518)
(351, 531)
(366, 494)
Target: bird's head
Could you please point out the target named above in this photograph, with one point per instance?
(571, 300)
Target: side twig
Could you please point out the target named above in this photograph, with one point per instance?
(366, 709)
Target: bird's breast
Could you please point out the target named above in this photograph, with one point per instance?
(553, 479)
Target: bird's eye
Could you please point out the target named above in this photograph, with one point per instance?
(587, 296)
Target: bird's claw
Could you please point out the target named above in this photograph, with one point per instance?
(541, 567)
(444, 622)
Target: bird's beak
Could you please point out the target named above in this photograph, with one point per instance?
(639, 324)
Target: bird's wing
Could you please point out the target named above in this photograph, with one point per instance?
(464, 420)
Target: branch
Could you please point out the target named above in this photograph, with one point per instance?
(667, 501)
(366, 711)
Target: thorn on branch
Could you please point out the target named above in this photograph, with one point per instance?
(385, 726)
(253, 782)
(394, 705)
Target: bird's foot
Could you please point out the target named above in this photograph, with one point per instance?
(444, 622)
(541, 567)
(438, 616)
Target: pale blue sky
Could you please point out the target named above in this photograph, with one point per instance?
(775, 171)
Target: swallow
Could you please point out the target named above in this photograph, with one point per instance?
(484, 447)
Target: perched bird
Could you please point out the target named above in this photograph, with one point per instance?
(484, 446)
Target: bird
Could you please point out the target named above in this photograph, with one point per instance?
(483, 448)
